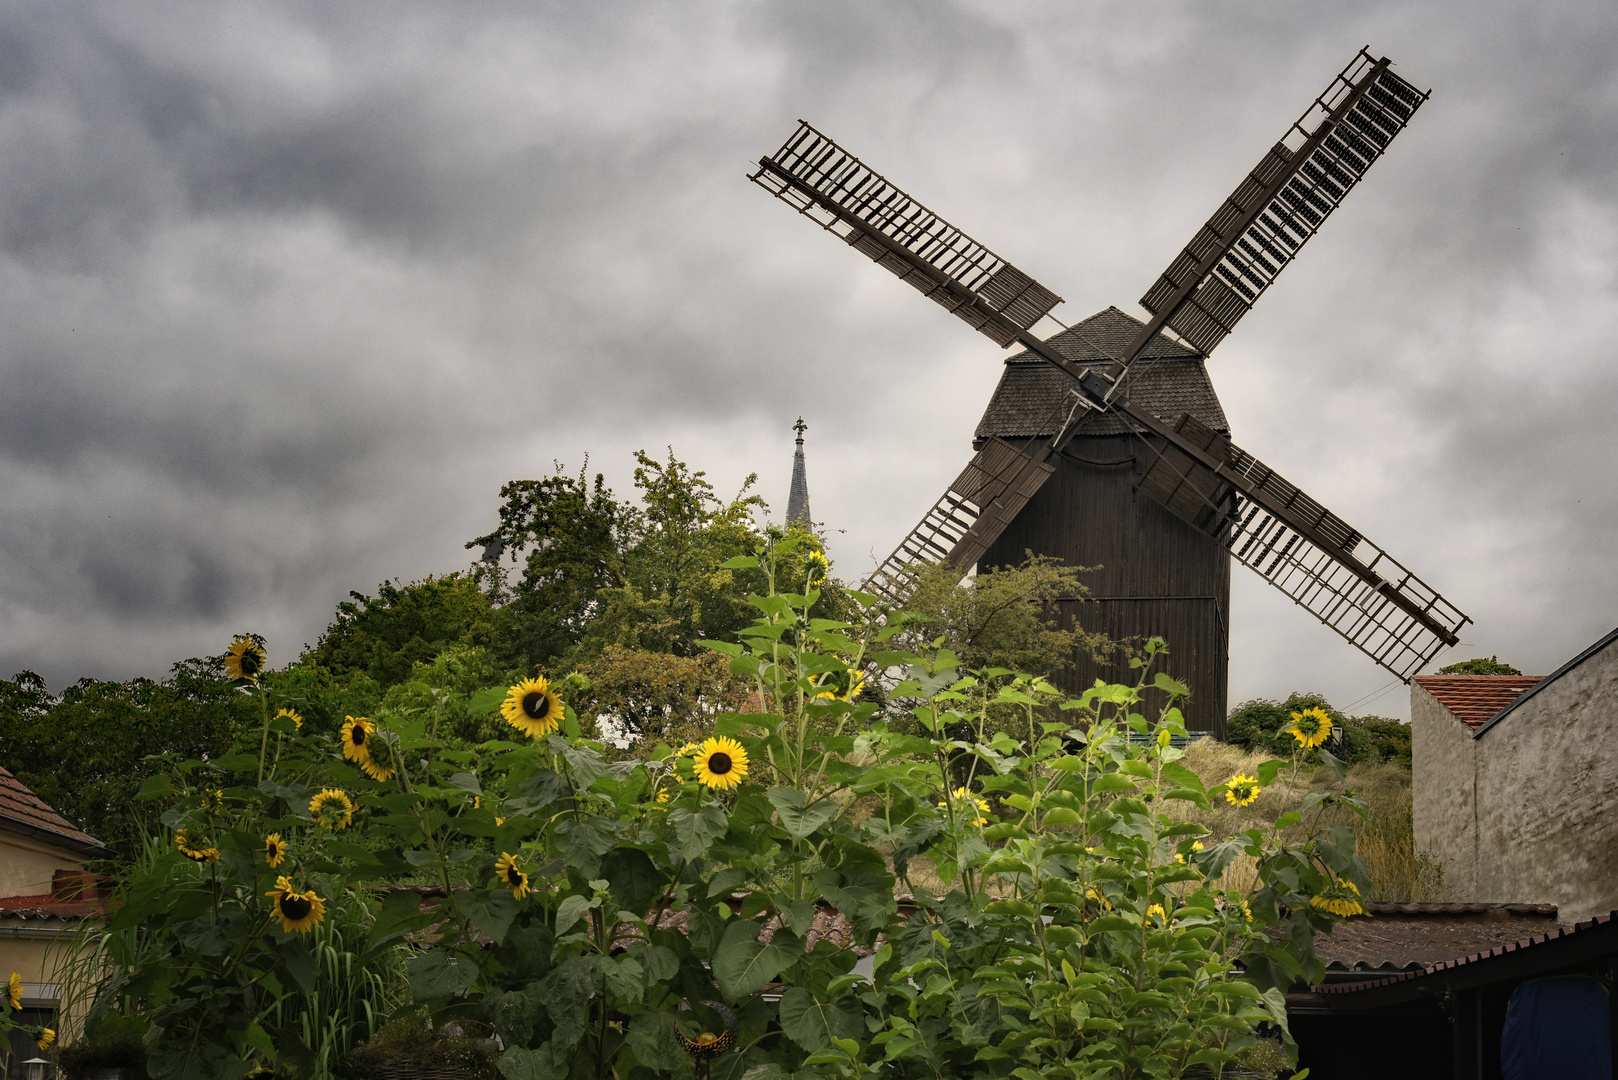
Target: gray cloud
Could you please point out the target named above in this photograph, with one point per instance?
(287, 291)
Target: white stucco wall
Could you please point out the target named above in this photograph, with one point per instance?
(1527, 811)
(1443, 792)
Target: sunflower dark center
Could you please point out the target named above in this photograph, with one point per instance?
(357, 736)
(536, 705)
(719, 763)
(296, 907)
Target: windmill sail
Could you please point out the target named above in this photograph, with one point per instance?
(839, 192)
(1281, 204)
(992, 490)
(1300, 547)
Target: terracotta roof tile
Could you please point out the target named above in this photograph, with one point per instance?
(1474, 699)
(21, 806)
(1400, 936)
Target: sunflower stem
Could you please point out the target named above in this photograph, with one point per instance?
(264, 743)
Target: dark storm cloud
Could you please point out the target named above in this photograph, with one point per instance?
(287, 291)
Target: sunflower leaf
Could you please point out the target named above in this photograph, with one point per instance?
(697, 831)
(467, 782)
(437, 975)
(742, 964)
(813, 1024)
(796, 818)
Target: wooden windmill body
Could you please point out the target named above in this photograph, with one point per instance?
(1104, 443)
(1154, 575)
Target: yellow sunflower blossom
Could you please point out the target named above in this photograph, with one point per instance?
(275, 850)
(355, 737)
(664, 794)
(511, 875)
(1311, 728)
(818, 566)
(290, 714)
(1094, 893)
(1242, 790)
(844, 685)
(1341, 898)
(688, 750)
(1241, 907)
(721, 763)
(332, 808)
(298, 912)
(1157, 909)
(45, 1037)
(201, 855)
(14, 990)
(498, 821)
(533, 707)
(1196, 846)
(244, 660)
(960, 795)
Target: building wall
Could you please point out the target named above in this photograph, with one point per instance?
(1156, 576)
(1524, 812)
(26, 865)
(1547, 792)
(1443, 792)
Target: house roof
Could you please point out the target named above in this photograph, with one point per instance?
(1397, 937)
(1539, 954)
(24, 812)
(1475, 699)
(1168, 379)
(1606, 639)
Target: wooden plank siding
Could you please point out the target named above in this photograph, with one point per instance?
(1156, 576)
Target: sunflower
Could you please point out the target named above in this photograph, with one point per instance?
(1311, 728)
(356, 736)
(1157, 909)
(275, 850)
(818, 567)
(1240, 906)
(45, 1037)
(1196, 846)
(205, 855)
(377, 771)
(533, 708)
(721, 763)
(1340, 898)
(664, 794)
(297, 721)
(244, 660)
(711, 1044)
(689, 749)
(332, 808)
(14, 990)
(511, 875)
(1094, 893)
(213, 800)
(960, 794)
(1242, 790)
(299, 912)
(843, 685)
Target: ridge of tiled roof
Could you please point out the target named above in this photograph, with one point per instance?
(1605, 640)
(1475, 699)
(1534, 941)
(23, 811)
(1169, 379)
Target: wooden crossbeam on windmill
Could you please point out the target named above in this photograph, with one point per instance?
(1085, 420)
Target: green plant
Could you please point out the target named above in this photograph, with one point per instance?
(114, 1049)
(409, 1043)
(1480, 665)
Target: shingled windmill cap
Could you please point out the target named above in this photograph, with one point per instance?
(798, 497)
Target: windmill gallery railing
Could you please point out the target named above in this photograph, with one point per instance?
(1269, 525)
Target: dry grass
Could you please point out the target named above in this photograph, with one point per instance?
(1386, 842)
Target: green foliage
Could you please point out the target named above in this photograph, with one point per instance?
(1481, 665)
(1257, 726)
(115, 1050)
(409, 1044)
(604, 917)
(1005, 617)
(653, 696)
(385, 635)
(85, 752)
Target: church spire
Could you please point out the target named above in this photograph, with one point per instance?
(798, 498)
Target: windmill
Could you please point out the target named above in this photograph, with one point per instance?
(1107, 379)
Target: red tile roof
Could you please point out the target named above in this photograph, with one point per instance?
(75, 894)
(26, 812)
(1474, 699)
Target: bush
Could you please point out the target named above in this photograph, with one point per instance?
(410, 1045)
(123, 1049)
(1256, 726)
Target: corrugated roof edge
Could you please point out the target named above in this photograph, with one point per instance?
(1449, 965)
(1606, 640)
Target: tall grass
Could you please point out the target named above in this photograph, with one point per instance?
(1386, 842)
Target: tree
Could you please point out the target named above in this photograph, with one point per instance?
(1480, 666)
(1256, 726)
(384, 635)
(647, 696)
(1004, 617)
(85, 753)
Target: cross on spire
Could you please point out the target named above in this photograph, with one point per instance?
(798, 497)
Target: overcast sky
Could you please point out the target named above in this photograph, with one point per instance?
(287, 290)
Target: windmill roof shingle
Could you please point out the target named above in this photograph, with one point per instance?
(1168, 379)
(1475, 699)
(22, 809)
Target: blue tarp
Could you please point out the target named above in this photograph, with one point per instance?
(1558, 1029)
